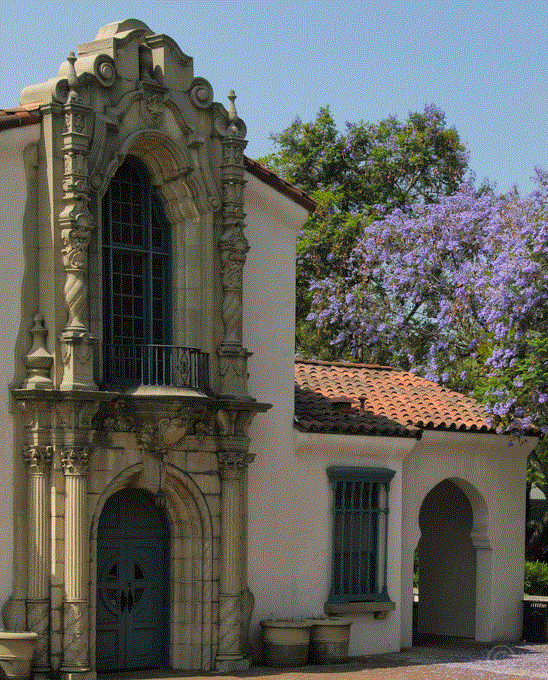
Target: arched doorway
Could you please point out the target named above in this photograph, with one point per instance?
(447, 564)
(132, 583)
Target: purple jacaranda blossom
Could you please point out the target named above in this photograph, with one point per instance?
(457, 291)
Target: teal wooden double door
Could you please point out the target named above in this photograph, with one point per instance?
(132, 583)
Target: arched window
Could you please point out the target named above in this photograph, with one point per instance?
(137, 325)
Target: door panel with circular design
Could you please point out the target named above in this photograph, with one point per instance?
(132, 544)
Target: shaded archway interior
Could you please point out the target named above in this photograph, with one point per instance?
(447, 564)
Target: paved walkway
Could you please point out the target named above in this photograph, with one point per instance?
(437, 661)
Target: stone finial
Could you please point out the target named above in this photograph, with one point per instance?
(38, 360)
(233, 118)
(72, 78)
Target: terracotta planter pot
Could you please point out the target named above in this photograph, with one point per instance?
(329, 640)
(16, 650)
(285, 643)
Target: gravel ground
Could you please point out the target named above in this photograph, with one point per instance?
(429, 662)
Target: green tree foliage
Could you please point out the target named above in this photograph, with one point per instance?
(355, 177)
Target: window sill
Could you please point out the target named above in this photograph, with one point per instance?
(378, 609)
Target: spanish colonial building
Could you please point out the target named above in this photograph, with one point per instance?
(162, 489)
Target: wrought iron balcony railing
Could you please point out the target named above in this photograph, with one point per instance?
(155, 365)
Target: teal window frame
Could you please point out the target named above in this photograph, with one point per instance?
(137, 264)
(359, 537)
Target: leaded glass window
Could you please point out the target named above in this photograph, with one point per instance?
(136, 276)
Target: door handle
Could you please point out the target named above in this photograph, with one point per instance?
(123, 601)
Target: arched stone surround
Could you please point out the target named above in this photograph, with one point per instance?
(193, 565)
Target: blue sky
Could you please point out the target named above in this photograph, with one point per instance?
(483, 63)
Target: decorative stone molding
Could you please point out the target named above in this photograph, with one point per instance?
(234, 461)
(76, 224)
(75, 461)
(38, 459)
(75, 637)
(233, 246)
(38, 622)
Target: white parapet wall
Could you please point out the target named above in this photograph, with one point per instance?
(13, 190)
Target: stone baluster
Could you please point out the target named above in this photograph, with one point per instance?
(230, 656)
(75, 462)
(38, 459)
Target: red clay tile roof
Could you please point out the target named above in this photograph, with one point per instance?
(269, 177)
(28, 114)
(346, 398)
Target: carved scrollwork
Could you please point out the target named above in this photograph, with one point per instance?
(152, 110)
(201, 93)
(121, 420)
(75, 646)
(38, 459)
(75, 460)
(158, 436)
(234, 460)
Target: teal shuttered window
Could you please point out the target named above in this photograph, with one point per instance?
(360, 530)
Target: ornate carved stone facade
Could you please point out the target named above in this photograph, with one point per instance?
(130, 92)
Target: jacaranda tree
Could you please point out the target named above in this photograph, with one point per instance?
(457, 291)
(356, 176)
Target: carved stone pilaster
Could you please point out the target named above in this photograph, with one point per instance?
(75, 609)
(38, 459)
(76, 224)
(75, 637)
(233, 246)
(232, 465)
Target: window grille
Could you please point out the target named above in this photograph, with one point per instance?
(360, 530)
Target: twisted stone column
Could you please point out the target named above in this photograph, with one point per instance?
(75, 613)
(38, 459)
(230, 656)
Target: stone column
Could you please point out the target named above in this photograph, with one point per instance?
(230, 657)
(233, 246)
(38, 459)
(76, 224)
(75, 613)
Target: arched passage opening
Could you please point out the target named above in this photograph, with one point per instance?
(447, 564)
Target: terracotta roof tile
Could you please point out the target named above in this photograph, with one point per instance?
(348, 398)
(271, 178)
(27, 114)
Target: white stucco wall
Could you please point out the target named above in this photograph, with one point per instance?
(289, 505)
(490, 470)
(13, 196)
(289, 500)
